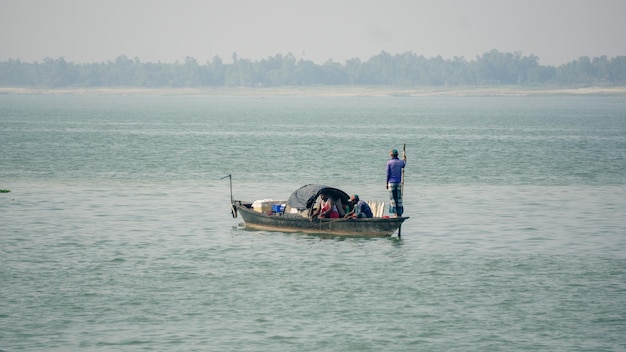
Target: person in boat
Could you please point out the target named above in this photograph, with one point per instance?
(360, 209)
(394, 182)
(316, 209)
(326, 208)
(341, 209)
(347, 208)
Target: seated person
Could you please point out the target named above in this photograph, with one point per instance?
(340, 207)
(360, 208)
(316, 208)
(347, 208)
(326, 208)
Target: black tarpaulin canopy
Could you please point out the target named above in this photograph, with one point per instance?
(303, 197)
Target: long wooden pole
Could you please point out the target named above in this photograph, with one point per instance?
(233, 211)
(403, 158)
(402, 189)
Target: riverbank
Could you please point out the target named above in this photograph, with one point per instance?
(338, 91)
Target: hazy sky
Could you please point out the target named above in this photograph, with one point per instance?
(557, 31)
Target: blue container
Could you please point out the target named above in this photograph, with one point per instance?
(278, 208)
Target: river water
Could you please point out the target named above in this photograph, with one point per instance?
(117, 232)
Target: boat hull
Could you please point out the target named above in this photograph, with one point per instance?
(371, 227)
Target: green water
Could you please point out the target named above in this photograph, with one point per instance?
(117, 235)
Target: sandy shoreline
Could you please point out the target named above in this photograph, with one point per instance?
(336, 91)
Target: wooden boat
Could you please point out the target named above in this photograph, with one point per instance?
(295, 216)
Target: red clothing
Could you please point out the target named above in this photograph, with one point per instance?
(334, 214)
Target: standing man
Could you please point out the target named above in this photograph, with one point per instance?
(394, 182)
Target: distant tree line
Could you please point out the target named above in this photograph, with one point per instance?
(407, 69)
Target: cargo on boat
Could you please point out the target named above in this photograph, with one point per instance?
(294, 215)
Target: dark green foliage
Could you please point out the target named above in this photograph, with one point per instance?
(407, 69)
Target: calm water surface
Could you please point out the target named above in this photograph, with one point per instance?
(117, 235)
